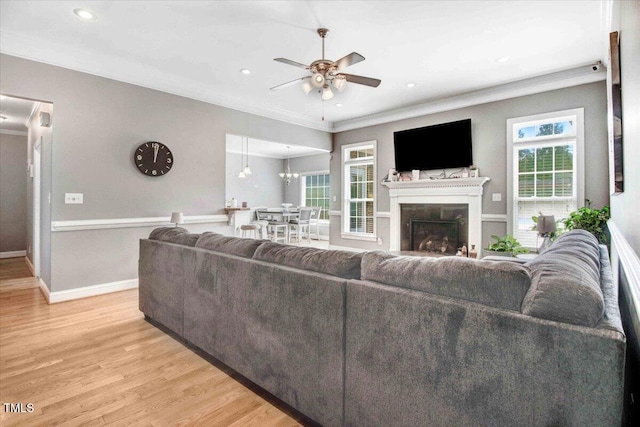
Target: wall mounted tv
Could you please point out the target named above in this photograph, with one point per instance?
(441, 146)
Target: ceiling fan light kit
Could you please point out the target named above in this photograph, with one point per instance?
(326, 73)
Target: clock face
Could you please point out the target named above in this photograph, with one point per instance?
(153, 158)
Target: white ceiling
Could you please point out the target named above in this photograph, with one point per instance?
(17, 112)
(197, 48)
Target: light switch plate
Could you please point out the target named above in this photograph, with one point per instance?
(496, 197)
(73, 198)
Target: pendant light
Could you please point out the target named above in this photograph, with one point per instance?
(247, 169)
(242, 174)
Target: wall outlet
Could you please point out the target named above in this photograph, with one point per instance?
(73, 198)
(496, 197)
(380, 241)
(334, 198)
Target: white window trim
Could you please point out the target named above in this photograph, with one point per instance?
(580, 156)
(344, 226)
(303, 188)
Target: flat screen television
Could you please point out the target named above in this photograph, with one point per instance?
(441, 146)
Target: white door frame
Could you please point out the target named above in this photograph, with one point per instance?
(37, 147)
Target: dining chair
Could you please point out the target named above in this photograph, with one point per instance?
(297, 226)
(277, 230)
(314, 221)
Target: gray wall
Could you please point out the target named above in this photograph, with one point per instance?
(489, 150)
(97, 125)
(13, 193)
(45, 135)
(262, 188)
(314, 163)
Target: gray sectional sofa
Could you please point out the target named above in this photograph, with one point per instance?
(373, 339)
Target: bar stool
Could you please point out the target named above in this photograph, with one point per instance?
(263, 228)
(250, 230)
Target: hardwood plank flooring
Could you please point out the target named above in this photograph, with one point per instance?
(97, 362)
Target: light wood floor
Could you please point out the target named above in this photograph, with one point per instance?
(96, 361)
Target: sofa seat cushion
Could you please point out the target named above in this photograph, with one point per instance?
(496, 284)
(177, 235)
(566, 281)
(231, 245)
(338, 263)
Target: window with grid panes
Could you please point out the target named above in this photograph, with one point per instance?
(544, 173)
(316, 192)
(359, 189)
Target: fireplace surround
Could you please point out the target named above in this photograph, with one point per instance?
(447, 195)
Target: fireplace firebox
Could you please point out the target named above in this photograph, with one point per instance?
(438, 237)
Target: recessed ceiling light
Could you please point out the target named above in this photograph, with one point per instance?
(84, 14)
(245, 71)
(2, 118)
(502, 59)
(338, 105)
(411, 84)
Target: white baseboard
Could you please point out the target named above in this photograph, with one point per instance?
(45, 290)
(32, 269)
(13, 254)
(91, 291)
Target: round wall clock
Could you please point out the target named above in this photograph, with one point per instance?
(153, 158)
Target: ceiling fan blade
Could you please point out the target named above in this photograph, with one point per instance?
(361, 80)
(345, 61)
(291, 83)
(290, 62)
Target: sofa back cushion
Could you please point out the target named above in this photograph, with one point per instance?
(497, 284)
(338, 263)
(177, 235)
(228, 244)
(566, 281)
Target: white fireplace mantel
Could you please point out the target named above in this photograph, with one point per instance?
(437, 191)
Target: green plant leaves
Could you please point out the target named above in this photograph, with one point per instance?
(507, 243)
(590, 219)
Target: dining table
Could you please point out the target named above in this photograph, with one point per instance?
(281, 213)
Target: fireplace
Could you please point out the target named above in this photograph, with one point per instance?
(434, 237)
(439, 229)
(450, 200)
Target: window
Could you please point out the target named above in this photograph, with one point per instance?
(315, 192)
(359, 190)
(547, 169)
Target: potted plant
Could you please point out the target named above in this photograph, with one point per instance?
(590, 219)
(506, 245)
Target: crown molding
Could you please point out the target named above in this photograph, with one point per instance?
(558, 80)
(115, 68)
(45, 51)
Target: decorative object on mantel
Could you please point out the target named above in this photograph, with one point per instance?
(473, 253)
(177, 218)
(287, 174)
(415, 174)
(546, 226)
(474, 171)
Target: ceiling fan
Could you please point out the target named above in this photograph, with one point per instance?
(326, 73)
